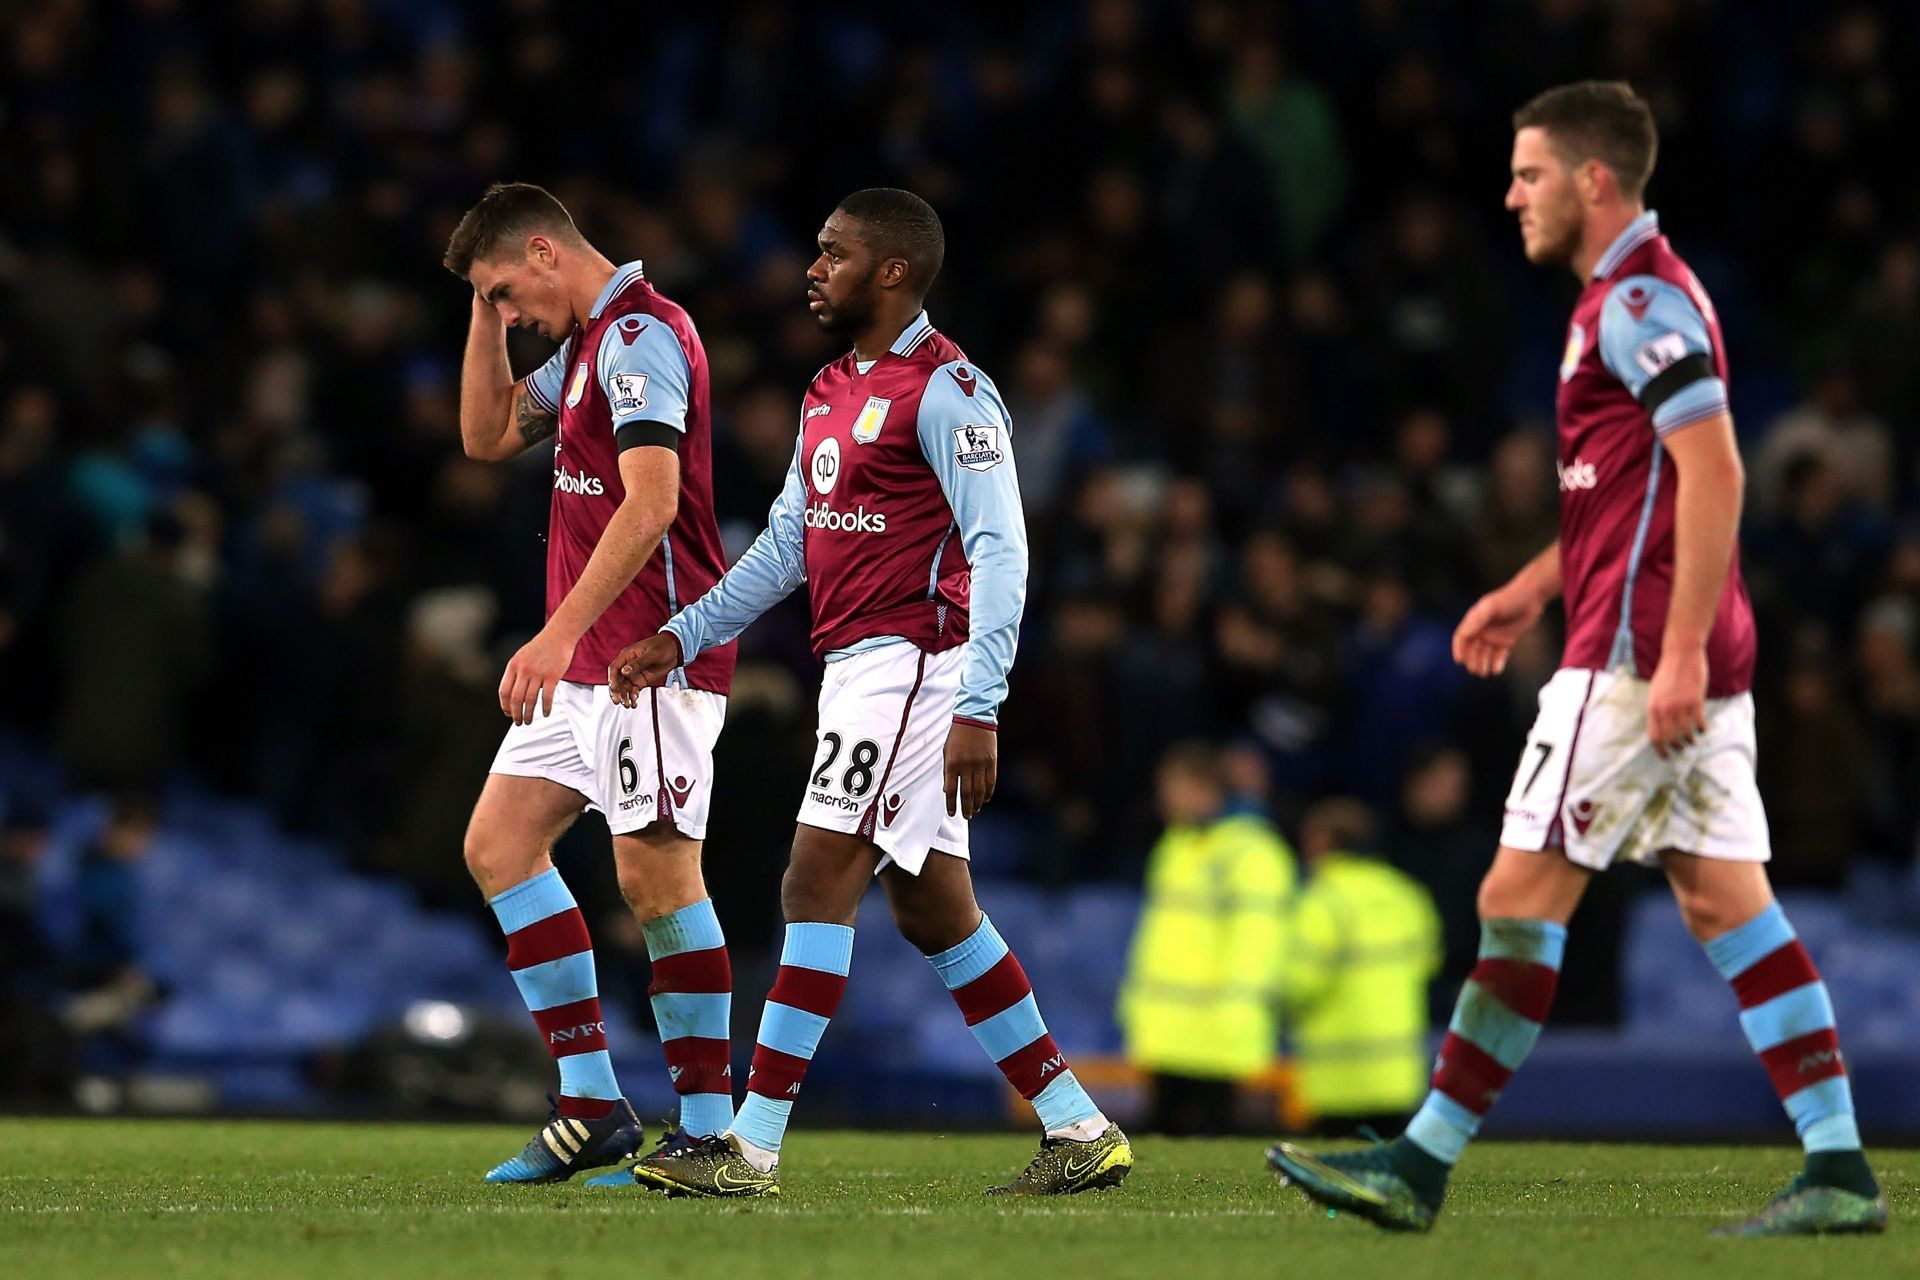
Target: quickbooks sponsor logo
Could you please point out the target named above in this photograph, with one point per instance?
(1576, 475)
(858, 520)
(578, 482)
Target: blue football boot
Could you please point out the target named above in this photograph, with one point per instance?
(565, 1145)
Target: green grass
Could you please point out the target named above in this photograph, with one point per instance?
(255, 1199)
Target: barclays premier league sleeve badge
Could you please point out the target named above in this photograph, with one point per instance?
(629, 393)
(976, 447)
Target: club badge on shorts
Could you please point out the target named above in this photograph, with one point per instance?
(866, 427)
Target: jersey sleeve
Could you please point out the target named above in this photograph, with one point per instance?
(1654, 339)
(546, 384)
(762, 577)
(645, 373)
(966, 436)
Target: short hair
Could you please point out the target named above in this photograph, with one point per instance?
(1197, 759)
(1602, 120)
(507, 214)
(1340, 824)
(899, 224)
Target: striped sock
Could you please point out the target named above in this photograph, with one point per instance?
(551, 957)
(997, 1001)
(1497, 1019)
(1788, 1018)
(692, 996)
(814, 961)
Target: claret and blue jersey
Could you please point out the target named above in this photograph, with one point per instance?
(635, 364)
(901, 511)
(1644, 359)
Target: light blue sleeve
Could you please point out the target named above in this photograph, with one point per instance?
(1648, 325)
(967, 438)
(547, 383)
(762, 577)
(644, 373)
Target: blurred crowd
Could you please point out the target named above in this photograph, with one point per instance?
(1280, 378)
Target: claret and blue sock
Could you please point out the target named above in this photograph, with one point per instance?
(551, 957)
(692, 998)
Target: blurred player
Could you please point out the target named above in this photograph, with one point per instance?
(902, 515)
(1644, 745)
(631, 537)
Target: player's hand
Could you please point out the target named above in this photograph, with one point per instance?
(533, 675)
(1677, 700)
(642, 665)
(1488, 633)
(973, 767)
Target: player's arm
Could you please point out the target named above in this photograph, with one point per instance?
(647, 381)
(1709, 480)
(967, 439)
(500, 418)
(1654, 338)
(764, 576)
(1499, 618)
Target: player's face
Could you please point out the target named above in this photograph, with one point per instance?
(526, 290)
(843, 283)
(1542, 194)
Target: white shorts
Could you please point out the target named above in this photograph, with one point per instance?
(1590, 782)
(636, 767)
(879, 769)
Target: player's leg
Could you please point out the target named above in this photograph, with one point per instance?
(508, 850)
(692, 988)
(1525, 902)
(820, 897)
(934, 908)
(1787, 1015)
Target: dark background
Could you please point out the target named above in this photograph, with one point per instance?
(1280, 377)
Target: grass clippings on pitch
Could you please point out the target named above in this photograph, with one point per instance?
(262, 1200)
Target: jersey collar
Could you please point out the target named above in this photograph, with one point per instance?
(1636, 233)
(622, 277)
(912, 336)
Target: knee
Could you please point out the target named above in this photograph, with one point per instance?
(927, 930)
(658, 871)
(1706, 915)
(633, 889)
(1497, 899)
(492, 862)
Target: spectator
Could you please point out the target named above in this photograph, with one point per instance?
(1198, 1003)
(136, 650)
(1363, 942)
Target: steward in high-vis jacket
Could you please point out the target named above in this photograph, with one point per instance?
(1199, 1004)
(1363, 942)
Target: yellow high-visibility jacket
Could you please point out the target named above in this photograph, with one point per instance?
(1363, 942)
(1201, 987)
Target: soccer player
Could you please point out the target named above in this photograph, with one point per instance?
(902, 515)
(631, 536)
(1644, 746)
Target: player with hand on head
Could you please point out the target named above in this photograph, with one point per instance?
(1643, 749)
(631, 535)
(902, 515)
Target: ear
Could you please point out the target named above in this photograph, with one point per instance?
(540, 251)
(1594, 181)
(893, 273)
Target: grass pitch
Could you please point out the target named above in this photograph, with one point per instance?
(256, 1199)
